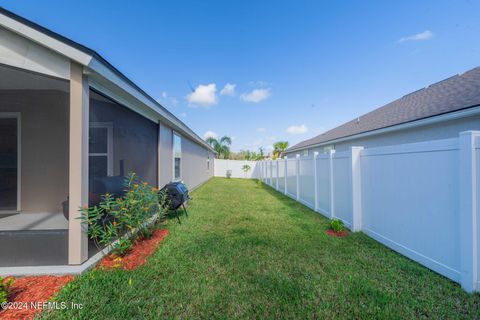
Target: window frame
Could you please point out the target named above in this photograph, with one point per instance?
(109, 153)
(176, 134)
(18, 116)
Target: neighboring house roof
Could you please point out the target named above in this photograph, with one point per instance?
(449, 95)
(91, 59)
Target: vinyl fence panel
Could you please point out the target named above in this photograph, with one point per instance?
(306, 181)
(221, 167)
(420, 199)
(324, 171)
(410, 195)
(342, 187)
(281, 175)
(292, 177)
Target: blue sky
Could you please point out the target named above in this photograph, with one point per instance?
(298, 67)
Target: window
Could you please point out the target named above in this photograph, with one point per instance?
(100, 144)
(208, 160)
(177, 157)
(10, 162)
(305, 153)
(328, 148)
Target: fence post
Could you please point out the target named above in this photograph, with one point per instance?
(285, 175)
(356, 188)
(332, 194)
(270, 171)
(315, 179)
(277, 172)
(468, 213)
(264, 171)
(261, 171)
(298, 176)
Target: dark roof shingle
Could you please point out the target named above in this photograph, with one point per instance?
(452, 94)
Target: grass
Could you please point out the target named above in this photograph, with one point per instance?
(247, 251)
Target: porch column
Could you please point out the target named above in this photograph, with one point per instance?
(78, 160)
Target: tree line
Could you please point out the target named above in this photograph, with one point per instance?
(222, 147)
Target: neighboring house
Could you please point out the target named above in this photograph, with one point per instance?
(439, 111)
(69, 121)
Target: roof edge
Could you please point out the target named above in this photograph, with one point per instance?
(88, 58)
(451, 115)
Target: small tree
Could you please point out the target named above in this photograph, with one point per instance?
(246, 168)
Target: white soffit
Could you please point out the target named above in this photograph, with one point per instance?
(22, 53)
(45, 40)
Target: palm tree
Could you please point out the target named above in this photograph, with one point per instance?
(221, 146)
(278, 148)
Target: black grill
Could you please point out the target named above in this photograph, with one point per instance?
(176, 194)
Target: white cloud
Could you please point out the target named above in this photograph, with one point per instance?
(209, 134)
(425, 35)
(164, 95)
(256, 95)
(261, 129)
(228, 90)
(204, 95)
(297, 129)
(183, 114)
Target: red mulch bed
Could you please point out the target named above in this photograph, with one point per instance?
(340, 234)
(42, 288)
(32, 289)
(137, 256)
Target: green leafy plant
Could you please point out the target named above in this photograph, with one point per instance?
(4, 286)
(337, 225)
(146, 233)
(122, 247)
(113, 217)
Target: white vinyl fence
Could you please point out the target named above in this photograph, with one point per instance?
(221, 167)
(419, 199)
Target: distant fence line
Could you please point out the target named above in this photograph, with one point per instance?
(420, 199)
(222, 166)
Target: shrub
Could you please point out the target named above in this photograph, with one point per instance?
(4, 286)
(336, 225)
(122, 247)
(116, 217)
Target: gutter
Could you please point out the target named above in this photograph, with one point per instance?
(463, 113)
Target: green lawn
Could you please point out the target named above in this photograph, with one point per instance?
(247, 251)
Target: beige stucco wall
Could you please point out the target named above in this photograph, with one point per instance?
(194, 160)
(194, 164)
(166, 155)
(44, 147)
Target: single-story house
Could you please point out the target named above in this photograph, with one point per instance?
(69, 119)
(439, 111)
